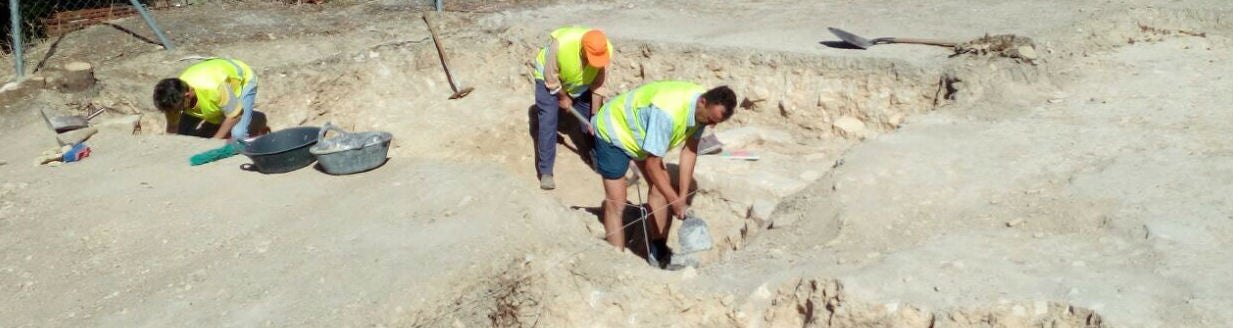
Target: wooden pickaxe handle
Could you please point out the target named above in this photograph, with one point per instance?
(445, 63)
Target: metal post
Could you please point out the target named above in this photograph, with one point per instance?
(15, 16)
(153, 26)
(439, 5)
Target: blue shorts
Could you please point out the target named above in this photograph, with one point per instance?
(610, 161)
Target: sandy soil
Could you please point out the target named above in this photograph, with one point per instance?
(898, 186)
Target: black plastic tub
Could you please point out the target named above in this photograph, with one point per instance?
(282, 151)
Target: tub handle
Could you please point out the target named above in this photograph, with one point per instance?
(328, 127)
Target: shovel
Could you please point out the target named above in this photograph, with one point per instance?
(863, 43)
(61, 124)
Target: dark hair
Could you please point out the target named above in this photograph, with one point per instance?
(722, 95)
(169, 94)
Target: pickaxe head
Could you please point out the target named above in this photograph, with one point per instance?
(462, 93)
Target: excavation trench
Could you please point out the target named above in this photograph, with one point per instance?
(798, 113)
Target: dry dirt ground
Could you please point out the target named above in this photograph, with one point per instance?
(898, 186)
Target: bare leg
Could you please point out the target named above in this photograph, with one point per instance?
(614, 211)
(658, 207)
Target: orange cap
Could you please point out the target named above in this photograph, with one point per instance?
(595, 45)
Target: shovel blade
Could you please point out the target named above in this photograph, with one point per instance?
(68, 123)
(60, 124)
(852, 39)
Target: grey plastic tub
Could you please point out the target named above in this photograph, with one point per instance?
(350, 153)
(282, 151)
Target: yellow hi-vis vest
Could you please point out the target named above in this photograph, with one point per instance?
(576, 77)
(621, 120)
(208, 80)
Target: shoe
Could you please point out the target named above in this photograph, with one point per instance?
(660, 255)
(546, 183)
(652, 258)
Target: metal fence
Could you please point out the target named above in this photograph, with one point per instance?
(40, 19)
(34, 20)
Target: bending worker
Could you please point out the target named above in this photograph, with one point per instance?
(569, 73)
(643, 125)
(212, 99)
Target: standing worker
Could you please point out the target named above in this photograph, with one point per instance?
(212, 99)
(643, 125)
(569, 73)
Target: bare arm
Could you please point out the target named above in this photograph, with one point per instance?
(564, 100)
(660, 180)
(598, 91)
(689, 158)
(226, 126)
(231, 116)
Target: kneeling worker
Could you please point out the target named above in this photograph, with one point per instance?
(643, 125)
(216, 98)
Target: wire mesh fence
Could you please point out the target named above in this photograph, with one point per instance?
(48, 19)
(29, 21)
(35, 21)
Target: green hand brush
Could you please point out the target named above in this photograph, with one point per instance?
(212, 155)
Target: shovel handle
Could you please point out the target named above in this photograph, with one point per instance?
(939, 43)
(581, 119)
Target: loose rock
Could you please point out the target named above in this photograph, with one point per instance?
(759, 93)
(849, 127)
(1027, 52)
(750, 135)
(128, 124)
